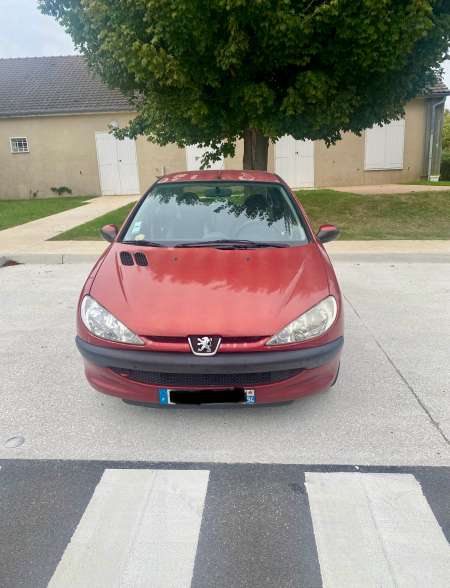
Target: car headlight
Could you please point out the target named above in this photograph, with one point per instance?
(312, 323)
(102, 323)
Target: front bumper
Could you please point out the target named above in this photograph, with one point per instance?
(312, 369)
(187, 363)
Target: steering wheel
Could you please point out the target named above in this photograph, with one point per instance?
(247, 224)
(214, 236)
(269, 233)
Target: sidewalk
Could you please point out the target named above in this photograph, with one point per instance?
(391, 189)
(390, 251)
(403, 247)
(28, 243)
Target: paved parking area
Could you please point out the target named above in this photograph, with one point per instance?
(390, 406)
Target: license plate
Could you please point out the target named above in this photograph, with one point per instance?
(227, 396)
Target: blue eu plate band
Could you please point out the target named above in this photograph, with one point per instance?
(164, 396)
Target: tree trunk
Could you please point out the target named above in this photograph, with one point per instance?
(256, 147)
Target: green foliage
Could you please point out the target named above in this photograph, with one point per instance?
(203, 72)
(445, 165)
(446, 132)
(61, 190)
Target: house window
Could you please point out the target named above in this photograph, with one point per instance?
(19, 145)
(384, 146)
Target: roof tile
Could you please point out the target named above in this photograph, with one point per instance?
(438, 89)
(64, 84)
(54, 85)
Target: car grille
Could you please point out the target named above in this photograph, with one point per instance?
(198, 380)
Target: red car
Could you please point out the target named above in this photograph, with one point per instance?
(215, 290)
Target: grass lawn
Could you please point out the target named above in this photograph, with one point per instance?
(17, 212)
(420, 215)
(90, 231)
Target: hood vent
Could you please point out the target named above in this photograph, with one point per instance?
(140, 258)
(126, 258)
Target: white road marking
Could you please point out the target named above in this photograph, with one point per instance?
(140, 528)
(376, 530)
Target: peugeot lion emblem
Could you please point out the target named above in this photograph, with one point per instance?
(204, 344)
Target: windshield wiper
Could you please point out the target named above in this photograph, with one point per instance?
(143, 243)
(232, 244)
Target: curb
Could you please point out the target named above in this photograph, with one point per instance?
(390, 257)
(35, 258)
(347, 256)
(51, 258)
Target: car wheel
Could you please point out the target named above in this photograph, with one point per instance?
(142, 404)
(336, 376)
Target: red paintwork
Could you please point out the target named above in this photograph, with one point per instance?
(327, 228)
(226, 175)
(307, 382)
(233, 293)
(184, 290)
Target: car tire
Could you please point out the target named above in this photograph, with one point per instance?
(336, 376)
(142, 404)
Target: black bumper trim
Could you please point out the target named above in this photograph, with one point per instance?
(187, 363)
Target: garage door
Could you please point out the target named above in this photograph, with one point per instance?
(117, 165)
(194, 155)
(294, 162)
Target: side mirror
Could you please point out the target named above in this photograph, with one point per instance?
(109, 232)
(327, 233)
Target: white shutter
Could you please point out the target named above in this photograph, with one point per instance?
(384, 146)
(395, 140)
(375, 147)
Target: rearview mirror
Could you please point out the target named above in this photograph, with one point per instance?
(327, 233)
(109, 232)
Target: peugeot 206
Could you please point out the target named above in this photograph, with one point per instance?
(215, 290)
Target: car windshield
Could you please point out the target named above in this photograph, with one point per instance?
(217, 213)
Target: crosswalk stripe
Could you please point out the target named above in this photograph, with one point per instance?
(376, 529)
(139, 529)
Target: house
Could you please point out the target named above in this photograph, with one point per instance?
(55, 118)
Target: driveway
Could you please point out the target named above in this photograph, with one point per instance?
(390, 406)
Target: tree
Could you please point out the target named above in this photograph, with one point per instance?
(214, 71)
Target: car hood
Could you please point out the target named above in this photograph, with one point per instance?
(232, 293)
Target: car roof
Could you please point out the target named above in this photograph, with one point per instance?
(226, 175)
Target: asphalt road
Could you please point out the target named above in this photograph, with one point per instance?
(390, 406)
(71, 524)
